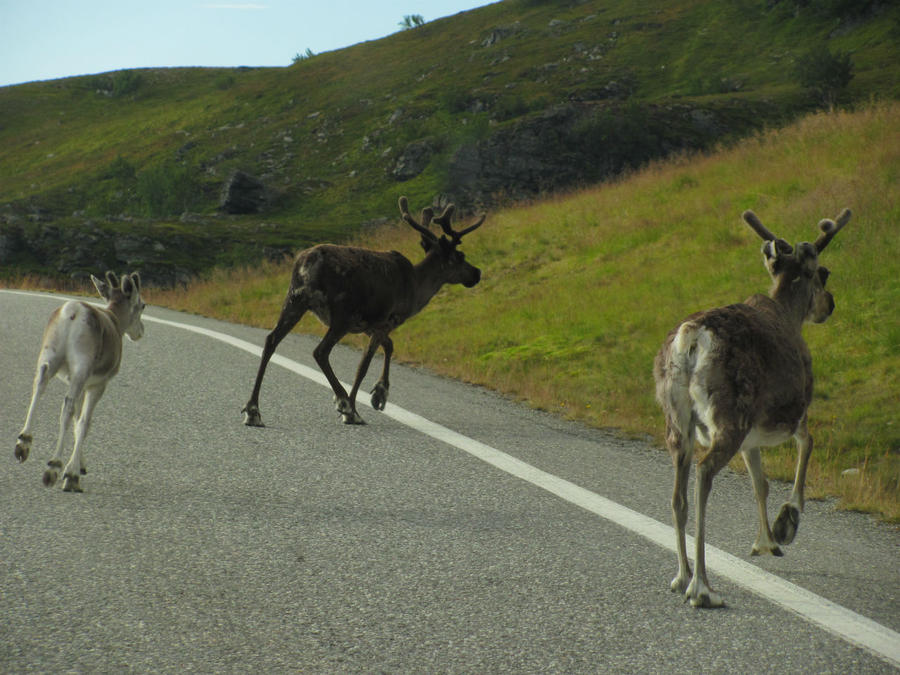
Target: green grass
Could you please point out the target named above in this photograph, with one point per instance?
(579, 290)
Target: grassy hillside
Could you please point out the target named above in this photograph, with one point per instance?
(579, 290)
(110, 163)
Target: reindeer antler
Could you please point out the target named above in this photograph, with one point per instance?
(830, 228)
(760, 229)
(444, 221)
(427, 215)
(765, 233)
(473, 227)
(112, 279)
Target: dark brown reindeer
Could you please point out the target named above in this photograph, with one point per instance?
(737, 378)
(355, 290)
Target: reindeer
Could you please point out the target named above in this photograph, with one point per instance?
(355, 290)
(82, 344)
(740, 377)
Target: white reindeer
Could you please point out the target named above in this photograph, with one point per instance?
(82, 344)
(737, 378)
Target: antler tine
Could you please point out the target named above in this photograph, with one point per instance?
(473, 227)
(403, 203)
(444, 220)
(781, 246)
(830, 228)
(426, 214)
(760, 229)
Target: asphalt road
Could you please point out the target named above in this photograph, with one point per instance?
(202, 545)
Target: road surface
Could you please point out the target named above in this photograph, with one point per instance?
(456, 532)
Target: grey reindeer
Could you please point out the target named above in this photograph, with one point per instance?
(739, 377)
(356, 290)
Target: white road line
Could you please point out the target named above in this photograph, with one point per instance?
(844, 623)
(848, 625)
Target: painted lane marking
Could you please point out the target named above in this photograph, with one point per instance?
(840, 621)
(844, 623)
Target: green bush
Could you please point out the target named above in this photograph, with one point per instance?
(120, 169)
(118, 84)
(411, 21)
(167, 189)
(305, 56)
(125, 82)
(824, 74)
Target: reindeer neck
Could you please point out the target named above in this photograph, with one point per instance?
(117, 311)
(793, 301)
(429, 281)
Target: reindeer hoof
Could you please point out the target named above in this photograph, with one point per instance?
(252, 418)
(352, 418)
(347, 411)
(379, 396)
(785, 528)
(71, 483)
(679, 585)
(52, 474)
(701, 595)
(773, 550)
(708, 600)
(23, 447)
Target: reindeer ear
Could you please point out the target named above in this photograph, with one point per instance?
(777, 247)
(102, 287)
(426, 244)
(776, 252)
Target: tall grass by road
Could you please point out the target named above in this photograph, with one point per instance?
(579, 290)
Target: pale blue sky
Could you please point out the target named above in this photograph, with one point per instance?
(50, 39)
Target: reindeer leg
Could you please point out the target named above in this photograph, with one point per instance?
(698, 591)
(363, 368)
(789, 517)
(764, 542)
(23, 443)
(380, 390)
(291, 312)
(343, 404)
(71, 402)
(75, 466)
(681, 450)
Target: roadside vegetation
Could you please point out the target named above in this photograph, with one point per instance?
(579, 290)
(130, 170)
(132, 165)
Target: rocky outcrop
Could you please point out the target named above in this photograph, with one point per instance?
(413, 160)
(242, 194)
(76, 250)
(580, 143)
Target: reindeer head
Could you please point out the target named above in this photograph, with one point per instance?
(445, 248)
(127, 296)
(798, 278)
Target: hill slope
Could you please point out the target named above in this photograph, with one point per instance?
(511, 100)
